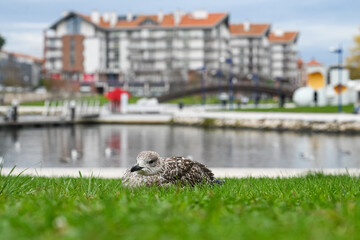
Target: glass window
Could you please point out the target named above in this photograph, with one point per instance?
(72, 51)
(73, 25)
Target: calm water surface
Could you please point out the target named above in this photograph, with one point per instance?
(118, 145)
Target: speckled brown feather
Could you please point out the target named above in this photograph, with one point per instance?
(174, 170)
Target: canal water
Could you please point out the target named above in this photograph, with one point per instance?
(118, 145)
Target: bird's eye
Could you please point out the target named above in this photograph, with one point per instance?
(152, 161)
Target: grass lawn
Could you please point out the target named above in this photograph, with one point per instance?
(312, 207)
(196, 99)
(325, 109)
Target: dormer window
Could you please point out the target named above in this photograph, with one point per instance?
(73, 25)
(148, 21)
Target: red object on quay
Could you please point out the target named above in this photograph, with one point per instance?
(115, 95)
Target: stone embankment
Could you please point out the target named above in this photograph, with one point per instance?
(310, 122)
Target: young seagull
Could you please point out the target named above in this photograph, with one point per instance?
(151, 169)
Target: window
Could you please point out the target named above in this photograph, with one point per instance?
(169, 43)
(72, 52)
(207, 33)
(186, 43)
(73, 25)
(186, 33)
(148, 21)
(169, 33)
(186, 64)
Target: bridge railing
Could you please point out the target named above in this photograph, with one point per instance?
(263, 87)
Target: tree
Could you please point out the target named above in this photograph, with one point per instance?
(353, 61)
(2, 42)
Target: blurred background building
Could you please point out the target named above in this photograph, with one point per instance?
(149, 54)
(19, 70)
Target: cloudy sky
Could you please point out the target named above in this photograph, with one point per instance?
(321, 23)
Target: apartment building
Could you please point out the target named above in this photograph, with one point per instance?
(259, 53)
(250, 50)
(284, 55)
(153, 51)
(20, 70)
(135, 49)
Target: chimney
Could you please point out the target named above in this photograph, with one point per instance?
(106, 16)
(160, 16)
(279, 32)
(200, 14)
(177, 17)
(113, 19)
(64, 13)
(95, 17)
(247, 26)
(129, 16)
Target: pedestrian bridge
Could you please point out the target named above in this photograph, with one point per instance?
(250, 87)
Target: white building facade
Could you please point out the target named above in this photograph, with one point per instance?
(284, 60)
(250, 50)
(161, 49)
(259, 53)
(130, 49)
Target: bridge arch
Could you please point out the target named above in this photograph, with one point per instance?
(287, 91)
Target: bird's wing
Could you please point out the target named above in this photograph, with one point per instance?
(186, 170)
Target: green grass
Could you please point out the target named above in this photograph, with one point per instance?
(311, 207)
(196, 99)
(324, 109)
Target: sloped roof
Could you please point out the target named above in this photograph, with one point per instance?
(285, 37)
(187, 20)
(21, 55)
(254, 30)
(313, 62)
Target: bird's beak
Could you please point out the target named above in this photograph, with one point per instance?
(136, 168)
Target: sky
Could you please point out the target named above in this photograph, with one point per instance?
(322, 23)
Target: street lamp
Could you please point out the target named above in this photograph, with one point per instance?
(339, 52)
(218, 75)
(231, 91)
(203, 97)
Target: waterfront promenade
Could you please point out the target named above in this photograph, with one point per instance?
(206, 117)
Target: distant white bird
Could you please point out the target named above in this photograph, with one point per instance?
(151, 169)
(307, 156)
(75, 154)
(17, 146)
(110, 152)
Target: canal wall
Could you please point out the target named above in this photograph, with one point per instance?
(303, 122)
(311, 122)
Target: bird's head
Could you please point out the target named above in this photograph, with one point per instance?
(147, 163)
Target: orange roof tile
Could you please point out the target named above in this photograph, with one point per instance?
(102, 22)
(168, 21)
(21, 55)
(255, 29)
(286, 37)
(212, 19)
(313, 62)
